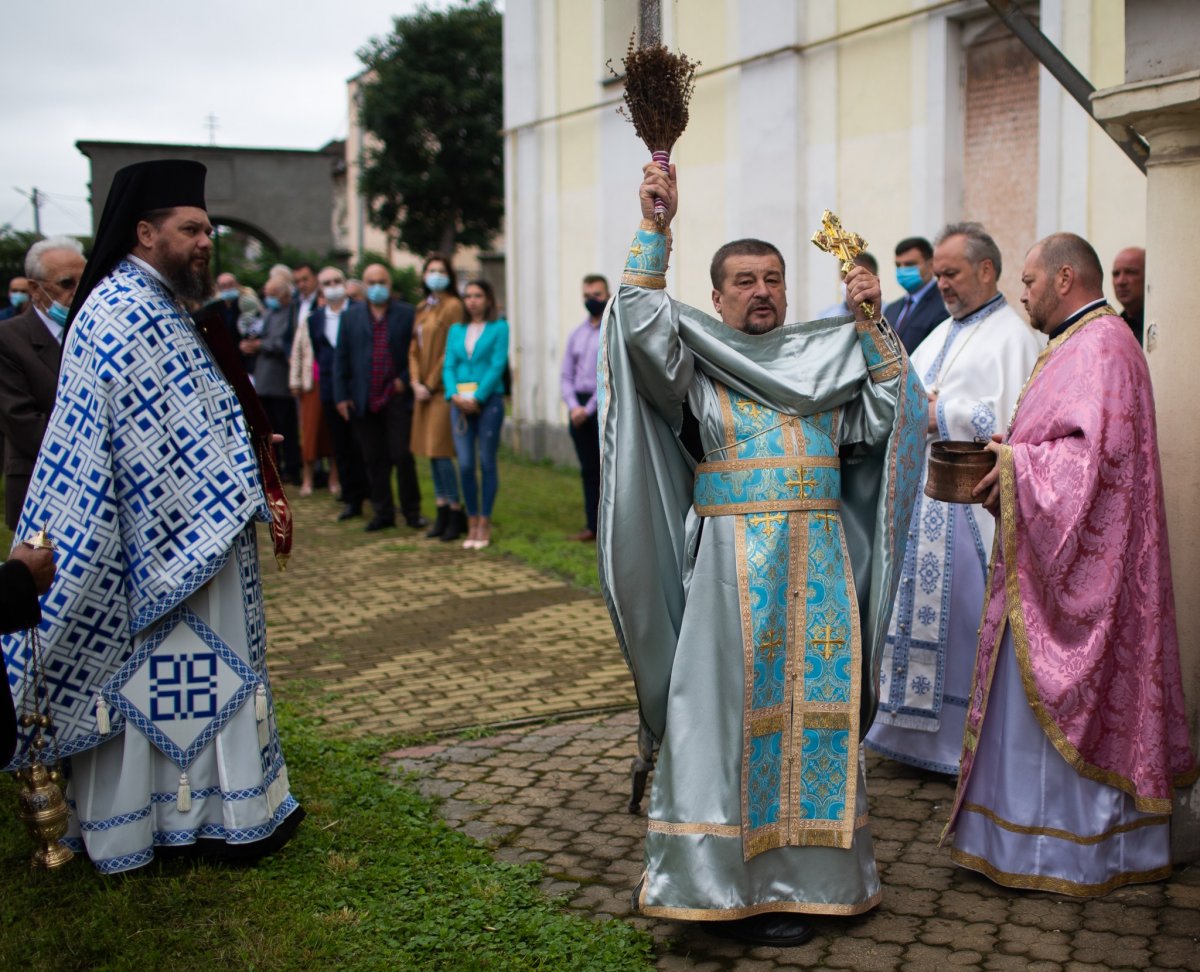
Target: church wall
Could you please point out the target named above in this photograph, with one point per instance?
(870, 125)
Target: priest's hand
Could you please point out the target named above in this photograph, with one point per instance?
(862, 287)
(40, 562)
(657, 184)
(989, 486)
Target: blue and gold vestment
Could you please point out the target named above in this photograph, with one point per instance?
(751, 592)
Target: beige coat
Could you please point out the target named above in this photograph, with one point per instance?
(426, 354)
(300, 365)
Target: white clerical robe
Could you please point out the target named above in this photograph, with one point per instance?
(977, 366)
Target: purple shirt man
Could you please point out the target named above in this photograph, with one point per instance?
(578, 384)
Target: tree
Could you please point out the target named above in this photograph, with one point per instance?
(433, 100)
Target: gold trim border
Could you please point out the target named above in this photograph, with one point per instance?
(767, 506)
(1055, 832)
(728, 914)
(769, 462)
(1016, 614)
(681, 829)
(1036, 882)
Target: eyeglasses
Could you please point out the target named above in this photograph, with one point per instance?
(62, 283)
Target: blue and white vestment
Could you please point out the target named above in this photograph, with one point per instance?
(153, 632)
(977, 366)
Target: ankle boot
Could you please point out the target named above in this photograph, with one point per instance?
(456, 525)
(440, 523)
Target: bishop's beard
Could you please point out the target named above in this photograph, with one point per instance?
(190, 284)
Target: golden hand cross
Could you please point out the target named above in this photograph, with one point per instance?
(832, 238)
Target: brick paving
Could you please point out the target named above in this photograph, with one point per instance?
(405, 636)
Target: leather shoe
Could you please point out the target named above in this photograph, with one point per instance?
(417, 522)
(778, 928)
(583, 536)
(376, 523)
(349, 512)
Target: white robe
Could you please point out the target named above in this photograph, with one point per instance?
(978, 366)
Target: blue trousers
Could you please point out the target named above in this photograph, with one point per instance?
(481, 431)
(445, 479)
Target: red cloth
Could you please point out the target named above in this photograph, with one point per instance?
(1082, 573)
(211, 325)
(383, 368)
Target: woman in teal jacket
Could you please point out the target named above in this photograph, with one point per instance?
(476, 356)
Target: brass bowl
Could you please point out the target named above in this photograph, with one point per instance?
(955, 469)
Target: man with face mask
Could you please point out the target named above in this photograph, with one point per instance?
(30, 354)
(18, 298)
(755, 479)
(920, 310)
(578, 387)
(151, 480)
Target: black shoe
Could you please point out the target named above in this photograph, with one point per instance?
(349, 512)
(440, 524)
(377, 523)
(416, 521)
(456, 527)
(778, 928)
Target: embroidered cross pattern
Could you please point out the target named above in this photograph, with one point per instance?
(183, 686)
(800, 481)
(767, 521)
(770, 643)
(751, 408)
(828, 642)
(827, 519)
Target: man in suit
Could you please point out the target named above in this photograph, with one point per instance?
(921, 309)
(30, 354)
(270, 351)
(374, 393)
(324, 329)
(24, 577)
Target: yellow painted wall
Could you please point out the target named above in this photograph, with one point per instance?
(874, 151)
(577, 71)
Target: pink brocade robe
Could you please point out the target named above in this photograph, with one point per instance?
(1081, 571)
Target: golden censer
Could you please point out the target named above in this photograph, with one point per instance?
(41, 805)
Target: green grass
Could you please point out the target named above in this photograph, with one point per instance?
(538, 506)
(373, 879)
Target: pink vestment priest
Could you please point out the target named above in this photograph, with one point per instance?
(1081, 575)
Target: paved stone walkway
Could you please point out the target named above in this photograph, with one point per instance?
(407, 636)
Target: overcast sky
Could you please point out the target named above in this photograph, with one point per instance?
(274, 75)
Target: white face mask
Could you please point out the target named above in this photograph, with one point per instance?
(334, 293)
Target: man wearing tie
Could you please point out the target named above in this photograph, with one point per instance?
(920, 310)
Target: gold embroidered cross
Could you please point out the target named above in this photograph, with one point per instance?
(828, 518)
(770, 643)
(843, 244)
(828, 641)
(751, 408)
(635, 250)
(767, 521)
(801, 481)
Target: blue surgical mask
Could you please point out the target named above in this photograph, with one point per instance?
(909, 278)
(18, 299)
(436, 281)
(273, 303)
(378, 293)
(58, 313)
(231, 294)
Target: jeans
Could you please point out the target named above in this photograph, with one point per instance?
(445, 479)
(482, 429)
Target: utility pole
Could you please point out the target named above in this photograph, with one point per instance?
(211, 123)
(35, 198)
(649, 23)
